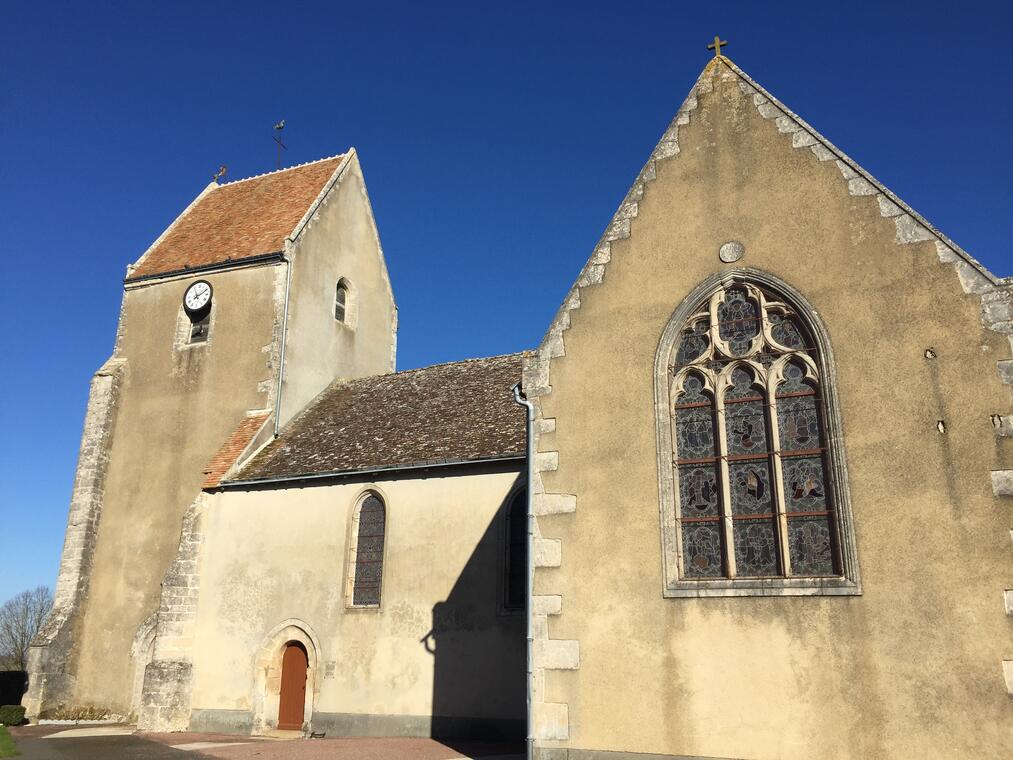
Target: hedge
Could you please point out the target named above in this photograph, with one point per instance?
(12, 715)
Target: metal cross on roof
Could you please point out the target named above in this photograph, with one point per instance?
(716, 45)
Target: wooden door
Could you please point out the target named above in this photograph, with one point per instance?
(291, 706)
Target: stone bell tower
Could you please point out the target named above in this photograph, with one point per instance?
(256, 297)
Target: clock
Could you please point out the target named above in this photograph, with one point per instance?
(197, 299)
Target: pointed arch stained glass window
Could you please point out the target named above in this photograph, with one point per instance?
(753, 495)
(369, 532)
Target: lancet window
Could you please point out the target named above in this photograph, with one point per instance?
(366, 555)
(753, 489)
(340, 300)
(516, 552)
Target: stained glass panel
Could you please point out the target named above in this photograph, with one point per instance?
(798, 423)
(794, 378)
(805, 488)
(369, 552)
(699, 495)
(810, 546)
(755, 548)
(745, 415)
(786, 330)
(693, 343)
(798, 418)
(692, 390)
(742, 383)
(694, 430)
(701, 550)
(738, 320)
(749, 483)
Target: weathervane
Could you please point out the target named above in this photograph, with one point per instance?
(220, 173)
(716, 45)
(281, 146)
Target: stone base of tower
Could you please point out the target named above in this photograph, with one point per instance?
(165, 700)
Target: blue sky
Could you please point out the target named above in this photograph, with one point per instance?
(494, 139)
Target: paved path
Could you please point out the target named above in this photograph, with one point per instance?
(117, 743)
(45, 743)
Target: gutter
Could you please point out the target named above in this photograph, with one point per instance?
(364, 471)
(522, 400)
(260, 258)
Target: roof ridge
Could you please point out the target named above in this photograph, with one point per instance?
(402, 372)
(455, 361)
(286, 169)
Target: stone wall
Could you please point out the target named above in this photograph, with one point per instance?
(52, 680)
(765, 677)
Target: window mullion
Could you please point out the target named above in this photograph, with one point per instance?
(726, 491)
(778, 474)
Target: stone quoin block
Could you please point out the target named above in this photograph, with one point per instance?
(552, 721)
(547, 552)
(1002, 482)
(557, 654)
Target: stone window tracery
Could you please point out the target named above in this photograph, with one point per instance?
(751, 505)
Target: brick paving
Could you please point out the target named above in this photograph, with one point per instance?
(35, 744)
(344, 748)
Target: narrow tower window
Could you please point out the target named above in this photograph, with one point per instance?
(340, 301)
(199, 329)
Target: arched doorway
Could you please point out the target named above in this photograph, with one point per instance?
(265, 696)
(292, 701)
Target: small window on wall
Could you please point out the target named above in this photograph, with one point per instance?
(516, 552)
(366, 556)
(199, 329)
(341, 302)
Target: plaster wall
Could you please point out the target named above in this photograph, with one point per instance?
(907, 669)
(439, 644)
(340, 241)
(176, 406)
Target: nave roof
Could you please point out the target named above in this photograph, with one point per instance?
(458, 412)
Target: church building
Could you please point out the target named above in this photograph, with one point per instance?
(748, 498)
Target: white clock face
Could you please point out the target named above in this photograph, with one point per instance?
(197, 296)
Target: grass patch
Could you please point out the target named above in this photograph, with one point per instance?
(6, 744)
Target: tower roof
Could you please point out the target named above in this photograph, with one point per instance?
(237, 220)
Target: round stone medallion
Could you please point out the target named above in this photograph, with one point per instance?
(731, 251)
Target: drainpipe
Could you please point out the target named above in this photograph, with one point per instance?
(522, 400)
(284, 335)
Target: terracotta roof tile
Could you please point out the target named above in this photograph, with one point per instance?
(222, 462)
(237, 220)
(463, 411)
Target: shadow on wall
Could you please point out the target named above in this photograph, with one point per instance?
(479, 668)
